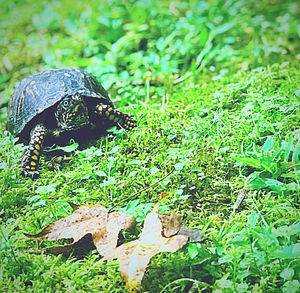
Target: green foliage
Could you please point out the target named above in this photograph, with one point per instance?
(276, 164)
(257, 251)
(126, 44)
(137, 209)
(215, 88)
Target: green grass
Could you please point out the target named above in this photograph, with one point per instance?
(230, 130)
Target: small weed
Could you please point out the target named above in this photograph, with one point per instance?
(278, 165)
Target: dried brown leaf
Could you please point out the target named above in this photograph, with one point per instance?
(85, 219)
(106, 243)
(194, 235)
(170, 224)
(89, 219)
(135, 255)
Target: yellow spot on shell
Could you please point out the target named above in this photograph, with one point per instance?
(36, 152)
(32, 168)
(32, 163)
(27, 167)
(34, 157)
(37, 146)
(107, 114)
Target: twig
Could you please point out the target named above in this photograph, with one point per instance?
(239, 200)
(151, 185)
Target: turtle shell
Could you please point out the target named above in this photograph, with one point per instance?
(41, 91)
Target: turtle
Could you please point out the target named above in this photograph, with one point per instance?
(53, 103)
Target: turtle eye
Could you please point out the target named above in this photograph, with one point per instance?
(76, 97)
(65, 103)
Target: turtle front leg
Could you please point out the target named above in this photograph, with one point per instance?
(115, 116)
(31, 156)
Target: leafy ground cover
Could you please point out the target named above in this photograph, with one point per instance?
(215, 89)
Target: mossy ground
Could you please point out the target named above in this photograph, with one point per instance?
(196, 128)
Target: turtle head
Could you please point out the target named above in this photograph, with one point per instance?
(71, 113)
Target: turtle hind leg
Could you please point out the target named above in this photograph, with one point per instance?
(31, 156)
(125, 120)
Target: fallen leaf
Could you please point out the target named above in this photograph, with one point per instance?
(95, 220)
(85, 219)
(161, 233)
(194, 235)
(170, 224)
(106, 243)
(135, 255)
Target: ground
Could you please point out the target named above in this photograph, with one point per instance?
(215, 90)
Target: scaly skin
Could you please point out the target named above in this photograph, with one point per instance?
(125, 120)
(31, 156)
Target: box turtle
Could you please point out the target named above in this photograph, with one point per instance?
(49, 104)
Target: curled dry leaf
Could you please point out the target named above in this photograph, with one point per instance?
(170, 224)
(194, 235)
(135, 255)
(93, 219)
